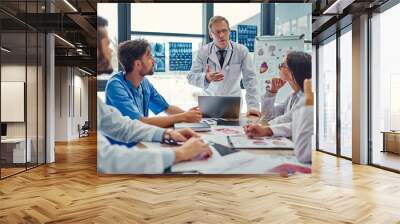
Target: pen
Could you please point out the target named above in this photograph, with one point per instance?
(229, 141)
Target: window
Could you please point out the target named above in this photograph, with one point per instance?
(385, 84)
(166, 42)
(163, 18)
(239, 14)
(346, 94)
(157, 23)
(327, 96)
(293, 19)
(183, 94)
(244, 20)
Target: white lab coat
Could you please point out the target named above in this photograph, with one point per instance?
(240, 65)
(120, 159)
(302, 126)
(121, 128)
(279, 116)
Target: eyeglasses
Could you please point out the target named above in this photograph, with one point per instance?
(218, 32)
(282, 65)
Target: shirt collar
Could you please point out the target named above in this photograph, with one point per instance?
(228, 46)
(130, 86)
(299, 94)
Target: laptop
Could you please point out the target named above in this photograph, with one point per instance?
(224, 122)
(227, 107)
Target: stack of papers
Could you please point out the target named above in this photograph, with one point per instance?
(243, 142)
(241, 162)
(216, 164)
(262, 164)
(237, 163)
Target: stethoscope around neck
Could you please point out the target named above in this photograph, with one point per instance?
(227, 67)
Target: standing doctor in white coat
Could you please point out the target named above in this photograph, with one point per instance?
(221, 64)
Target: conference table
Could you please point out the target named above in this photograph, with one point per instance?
(246, 161)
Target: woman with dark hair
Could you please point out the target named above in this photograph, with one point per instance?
(295, 68)
(302, 125)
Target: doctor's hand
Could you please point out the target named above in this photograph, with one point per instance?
(183, 135)
(253, 112)
(257, 130)
(191, 149)
(276, 84)
(196, 108)
(213, 76)
(191, 116)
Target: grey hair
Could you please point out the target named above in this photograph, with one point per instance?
(215, 19)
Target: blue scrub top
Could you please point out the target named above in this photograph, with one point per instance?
(133, 102)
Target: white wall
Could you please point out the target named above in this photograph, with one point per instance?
(14, 73)
(61, 103)
(80, 89)
(33, 126)
(70, 83)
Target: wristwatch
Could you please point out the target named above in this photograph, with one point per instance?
(167, 137)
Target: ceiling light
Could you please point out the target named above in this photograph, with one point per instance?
(65, 41)
(5, 50)
(70, 5)
(79, 51)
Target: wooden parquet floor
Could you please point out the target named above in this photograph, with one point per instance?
(70, 191)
